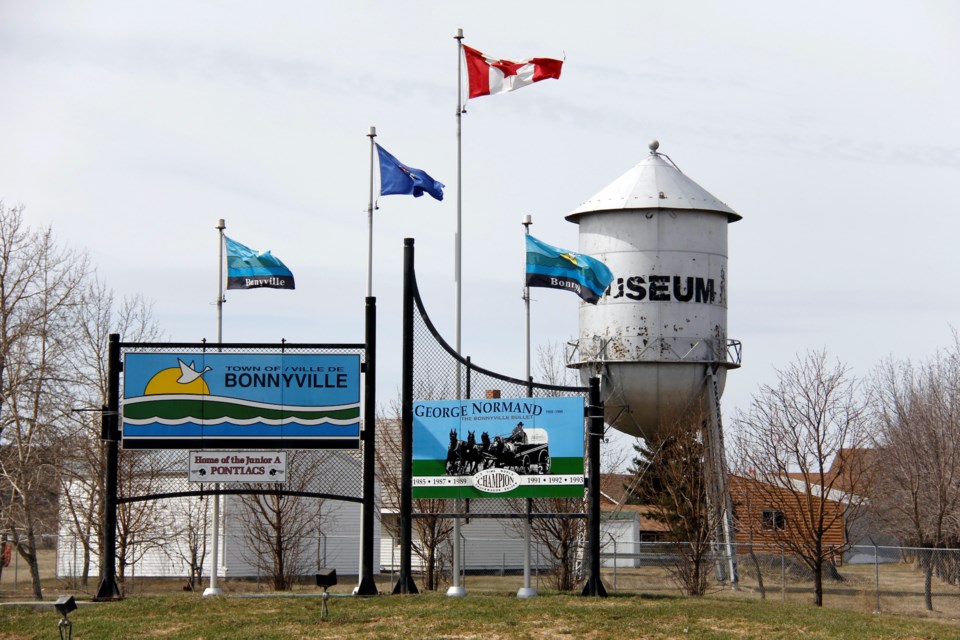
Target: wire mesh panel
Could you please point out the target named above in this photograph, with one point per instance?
(156, 473)
(869, 578)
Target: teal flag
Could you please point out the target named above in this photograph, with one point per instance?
(250, 269)
(555, 268)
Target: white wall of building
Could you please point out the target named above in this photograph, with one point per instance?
(619, 541)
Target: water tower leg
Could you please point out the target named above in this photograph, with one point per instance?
(718, 487)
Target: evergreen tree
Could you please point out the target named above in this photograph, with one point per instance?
(670, 481)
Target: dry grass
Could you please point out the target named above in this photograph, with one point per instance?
(490, 616)
(901, 588)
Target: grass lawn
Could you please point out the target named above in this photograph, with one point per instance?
(488, 616)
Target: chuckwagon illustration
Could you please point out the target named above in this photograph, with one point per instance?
(524, 451)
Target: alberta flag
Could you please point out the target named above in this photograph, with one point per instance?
(398, 178)
(555, 268)
(250, 269)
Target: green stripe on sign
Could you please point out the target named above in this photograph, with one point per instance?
(568, 491)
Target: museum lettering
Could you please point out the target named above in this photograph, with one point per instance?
(663, 289)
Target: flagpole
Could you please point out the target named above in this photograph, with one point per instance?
(221, 225)
(527, 221)
(456, 589)
(213, 589)
(372, 134)
(526, 591)
(458, 242)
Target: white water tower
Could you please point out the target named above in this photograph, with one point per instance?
(658, 336)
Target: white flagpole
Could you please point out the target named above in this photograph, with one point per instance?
(458, 241)
(213, 589)
(372, 134)
(527, 221)
(526, 591)
(456, 589)
(221, 225)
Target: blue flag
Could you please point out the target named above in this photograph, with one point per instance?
(555, 268)
(398, 178)
(249, 269)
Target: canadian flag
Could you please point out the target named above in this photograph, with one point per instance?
(489, 76)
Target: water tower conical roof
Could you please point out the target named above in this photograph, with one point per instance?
(655, 183)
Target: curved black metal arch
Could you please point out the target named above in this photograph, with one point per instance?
(467, 362)
(240, 492)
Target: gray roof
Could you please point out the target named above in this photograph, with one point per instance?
(655, 183)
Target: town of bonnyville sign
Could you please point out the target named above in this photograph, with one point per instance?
(507, 447)
(241, 400)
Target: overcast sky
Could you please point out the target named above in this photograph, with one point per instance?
(131, 127)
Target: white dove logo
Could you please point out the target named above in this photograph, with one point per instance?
(189, 373)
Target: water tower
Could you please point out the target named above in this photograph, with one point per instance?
(658, 336)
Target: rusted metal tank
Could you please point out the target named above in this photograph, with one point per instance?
(661, 327)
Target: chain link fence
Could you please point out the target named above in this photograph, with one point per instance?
(880, 579)
(883, 579)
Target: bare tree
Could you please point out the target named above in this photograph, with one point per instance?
(279, 528)
(789, 437)
(83, 471)
(431, 535)
(917, 485)
(39, 290)
(551, 366)
(672, 483)
(142, 525)
(190, 537)
(560, 537)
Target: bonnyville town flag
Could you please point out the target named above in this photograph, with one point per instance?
(250, 269)
(555, 268)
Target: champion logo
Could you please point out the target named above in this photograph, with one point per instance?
(496, 480)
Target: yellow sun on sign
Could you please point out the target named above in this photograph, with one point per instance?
(184, 379)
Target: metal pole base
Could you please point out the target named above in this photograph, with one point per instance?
(212, 591)
(594, 588)
(458, 591)
(405, 584)
(107, 592)
(367, 587)
(66, 629)
(526, 592)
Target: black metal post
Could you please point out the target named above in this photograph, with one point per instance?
(594, 585)
(110, 421)
(405, 583)
(367, 586)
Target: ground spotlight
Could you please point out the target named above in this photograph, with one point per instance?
(326, 578)
(64, 605)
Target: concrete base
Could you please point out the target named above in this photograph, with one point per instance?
(212, 591)
(526, 592)
(456, 592)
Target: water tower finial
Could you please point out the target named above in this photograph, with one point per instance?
(654, 145)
